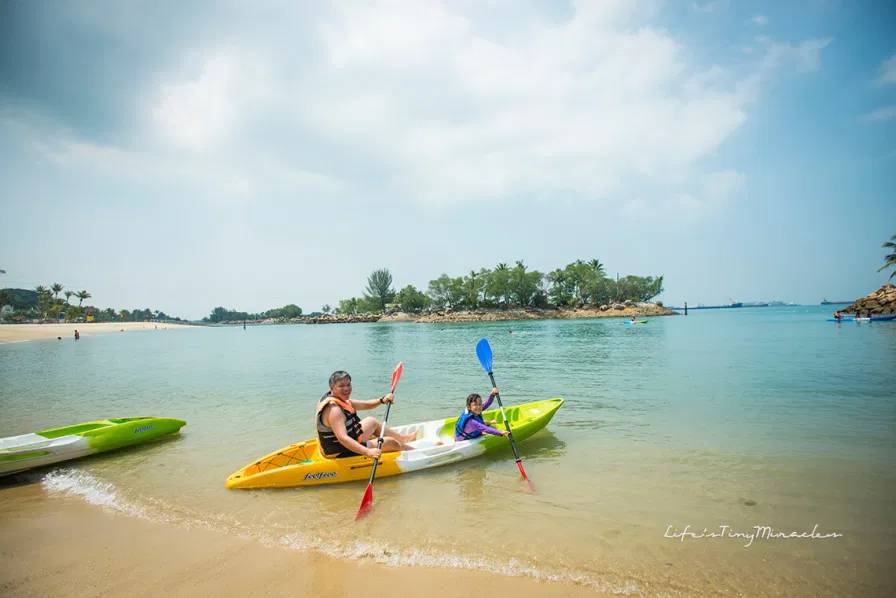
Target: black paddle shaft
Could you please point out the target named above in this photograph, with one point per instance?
(516, 455)
(379, 443)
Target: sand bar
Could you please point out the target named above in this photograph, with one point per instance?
(12, 333)
(58, 545)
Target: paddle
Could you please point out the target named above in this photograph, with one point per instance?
(484, 353)
(367, 500)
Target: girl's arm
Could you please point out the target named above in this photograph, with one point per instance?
(491, 397)
(486, 429)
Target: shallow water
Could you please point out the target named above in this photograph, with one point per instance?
(755, 416)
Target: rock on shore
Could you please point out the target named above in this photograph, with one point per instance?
(880, 302)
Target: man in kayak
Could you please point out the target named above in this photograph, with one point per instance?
(342, 433)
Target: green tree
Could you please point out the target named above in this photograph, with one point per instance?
(287, 311)
(411, 300)
(82, 295)
(347, 307)
(446, 291)
(44, 300)
(523, 285)
(68, 296)
(325, 308)
(379, 288)
(560, 290)
(57, 288)
(890, 258)
(498, 284)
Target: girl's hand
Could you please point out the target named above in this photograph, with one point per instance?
(505, 433)
(494, 391)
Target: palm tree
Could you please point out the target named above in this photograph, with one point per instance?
(68, 295)
(890, 259)
(56, 288)
(598, 268)
(82, 295)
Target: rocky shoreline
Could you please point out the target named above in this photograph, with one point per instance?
(618, 310)
(880, 302)
(500, 315)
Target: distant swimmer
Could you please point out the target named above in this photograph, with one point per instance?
(77, 335)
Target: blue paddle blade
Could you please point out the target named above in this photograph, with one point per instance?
(484, 353)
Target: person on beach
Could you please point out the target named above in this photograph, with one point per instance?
(470, 424)
(77, 334)
(342, 433)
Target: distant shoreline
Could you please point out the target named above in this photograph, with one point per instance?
(448, 316)
(17, 333)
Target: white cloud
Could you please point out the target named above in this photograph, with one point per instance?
(200, 111)
(760, 20)
(432, 103)
(885, 114)
(887, 72)
(805, 56)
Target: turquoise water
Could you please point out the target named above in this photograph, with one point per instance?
(754, 416)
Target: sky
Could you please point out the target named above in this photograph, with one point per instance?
(185, 155)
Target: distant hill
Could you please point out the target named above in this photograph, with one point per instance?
(19, 298)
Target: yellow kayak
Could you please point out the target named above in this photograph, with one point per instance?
(302, 464)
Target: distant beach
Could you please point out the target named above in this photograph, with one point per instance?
(14, 333)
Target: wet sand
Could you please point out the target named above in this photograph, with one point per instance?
(13, 333)
(54, 545)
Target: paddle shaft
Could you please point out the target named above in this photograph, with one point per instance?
(516, 455)
(379, 442)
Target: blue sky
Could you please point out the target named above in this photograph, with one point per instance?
(183, 155)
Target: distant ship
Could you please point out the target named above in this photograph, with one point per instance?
(826, 302)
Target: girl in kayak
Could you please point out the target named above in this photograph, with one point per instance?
(470, 424)
(342, 433)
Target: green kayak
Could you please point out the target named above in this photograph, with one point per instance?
(18, 453)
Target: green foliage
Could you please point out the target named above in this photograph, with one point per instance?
(379, 289)
(411, 300)
(639, 288)
(287, 311)
(578, 283)
(20, 299)
(82, 295)
(446, 291)
(348, 307)
(221, 314)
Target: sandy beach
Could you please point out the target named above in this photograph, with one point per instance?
(57, 545)
(15, 333)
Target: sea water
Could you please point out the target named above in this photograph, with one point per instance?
(728, 451)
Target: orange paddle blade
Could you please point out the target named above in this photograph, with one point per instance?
(525, 477)
(366, 503)
(396, 375)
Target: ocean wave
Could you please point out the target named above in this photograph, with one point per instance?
(393, 557)
(101, 493)
(94, 491)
